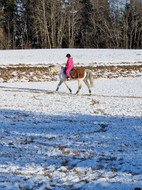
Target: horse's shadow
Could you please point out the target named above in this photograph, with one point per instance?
(26, 89)
(37, 90)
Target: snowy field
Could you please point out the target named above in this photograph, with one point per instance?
(63, 141)
(81, 56)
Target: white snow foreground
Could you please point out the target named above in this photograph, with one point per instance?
(55, 141)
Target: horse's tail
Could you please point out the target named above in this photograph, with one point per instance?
(90, 77)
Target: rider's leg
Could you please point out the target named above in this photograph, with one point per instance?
(67, 72)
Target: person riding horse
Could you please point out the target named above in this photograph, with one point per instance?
(80, 74)
(69, 65)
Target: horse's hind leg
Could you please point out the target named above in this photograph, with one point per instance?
(87, 84)
(79, 85)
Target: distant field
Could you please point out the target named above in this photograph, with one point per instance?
(39, 74)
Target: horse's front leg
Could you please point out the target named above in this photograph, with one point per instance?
(59, 85)
(66, 83)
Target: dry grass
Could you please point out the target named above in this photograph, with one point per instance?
(99, 111)
(112, 71)
(94, 102)
(37, 74)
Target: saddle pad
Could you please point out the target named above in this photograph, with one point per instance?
(77, 73)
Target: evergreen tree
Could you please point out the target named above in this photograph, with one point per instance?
(9, 20)
(85, 27)
(1, 27)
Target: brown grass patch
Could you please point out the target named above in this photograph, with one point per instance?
(64, 151)
(97, 111)
(94, 102)
(37, 74)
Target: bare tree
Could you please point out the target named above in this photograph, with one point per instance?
(102, 24)
(70, 23)
(72, 9)
(132, 25)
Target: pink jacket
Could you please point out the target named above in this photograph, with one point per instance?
(69, 66)
(70, 63)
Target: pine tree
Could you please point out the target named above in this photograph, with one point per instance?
(1, 28)
(9, 20)
(85, 27)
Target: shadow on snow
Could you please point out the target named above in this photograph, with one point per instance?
(35, 145)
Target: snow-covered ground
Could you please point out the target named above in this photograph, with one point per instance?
(55, 141)
(81, 56)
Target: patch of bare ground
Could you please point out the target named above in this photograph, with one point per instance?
(38, 74)
(24, 73)
(111, 71)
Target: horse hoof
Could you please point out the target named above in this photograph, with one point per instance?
(89, 91)
(70, 90)
(77, 92)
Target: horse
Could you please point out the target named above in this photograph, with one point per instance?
(60, 70)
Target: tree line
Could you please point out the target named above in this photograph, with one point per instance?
(70, 24)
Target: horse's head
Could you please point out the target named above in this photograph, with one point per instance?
(54, 69)
(51, 70)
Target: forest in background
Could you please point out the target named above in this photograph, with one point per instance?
(26, 24)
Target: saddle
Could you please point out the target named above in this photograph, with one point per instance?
(77, 73)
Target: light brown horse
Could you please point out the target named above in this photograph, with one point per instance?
(81, 77)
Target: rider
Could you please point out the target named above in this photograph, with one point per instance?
(69, 65)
